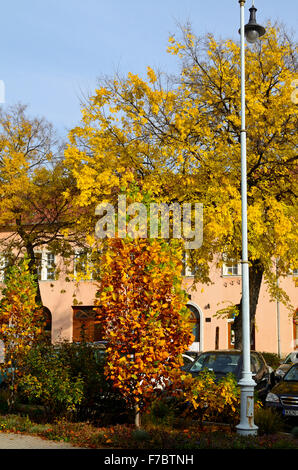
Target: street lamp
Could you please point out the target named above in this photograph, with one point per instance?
(252, 31)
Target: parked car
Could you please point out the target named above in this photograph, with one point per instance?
(284, 396)
(188, 358)
(291, 359)
(223, 362)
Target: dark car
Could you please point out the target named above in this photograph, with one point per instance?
(284, 396)
(222, 363)
(188, 358)
(291, 359)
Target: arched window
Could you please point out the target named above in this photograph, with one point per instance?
(195, 321)
(47, 317)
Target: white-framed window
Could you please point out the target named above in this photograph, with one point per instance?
(86, 265)
(45, 263)
(230, 267)
(295, 272)
(81, 263)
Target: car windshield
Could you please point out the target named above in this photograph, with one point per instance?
(292, 357)
(216, 362)
(292, 375)
(187, 360)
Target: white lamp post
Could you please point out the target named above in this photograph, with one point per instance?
(252, 31)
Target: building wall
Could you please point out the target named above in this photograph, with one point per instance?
(60, 296)
(226, 290)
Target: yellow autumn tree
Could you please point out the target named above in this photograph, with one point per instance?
(181, 139)
(33, 212)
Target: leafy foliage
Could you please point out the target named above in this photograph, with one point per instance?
(48, 380)
(21, 320)
(209, 399)
(180, 139)
(33, 211)
(68, 379)
(143, 315)
(269, 421)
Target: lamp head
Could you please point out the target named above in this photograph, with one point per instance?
(253, 31)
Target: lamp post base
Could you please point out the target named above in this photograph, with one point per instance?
(247, 430)
(246, 427)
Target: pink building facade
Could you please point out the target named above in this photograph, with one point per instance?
(70, 307)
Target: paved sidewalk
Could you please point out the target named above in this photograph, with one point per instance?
(24, 441)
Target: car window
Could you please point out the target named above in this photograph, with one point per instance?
(199, 363)
(294, 357)
(253, 365)
(216, 362)
(291, 375)
(187, 360)
(288, 359)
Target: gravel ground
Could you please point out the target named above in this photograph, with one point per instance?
(23, 441)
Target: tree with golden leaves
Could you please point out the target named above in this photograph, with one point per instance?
(181, 140)
(33, 211)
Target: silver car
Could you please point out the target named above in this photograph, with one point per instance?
(292, 358)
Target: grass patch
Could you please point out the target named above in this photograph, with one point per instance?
(151, 436)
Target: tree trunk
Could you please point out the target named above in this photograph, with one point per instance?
(137, 417)
(255, 280)
(31, 255)
(33, 270)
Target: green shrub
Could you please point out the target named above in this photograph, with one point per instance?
(100, 401)
(272, 359)
(268, 421)
(15, 423)
(48, 381)
(3, 400)
(69, 377)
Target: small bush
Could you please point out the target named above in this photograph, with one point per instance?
(211, 400)
(100, 401)
(268, 421)
(48, 381)
(272, 359)
(15, 423)
(70, 378)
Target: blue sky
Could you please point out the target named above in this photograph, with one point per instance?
(53, 51)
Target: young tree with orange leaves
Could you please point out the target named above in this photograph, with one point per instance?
(143, 314)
